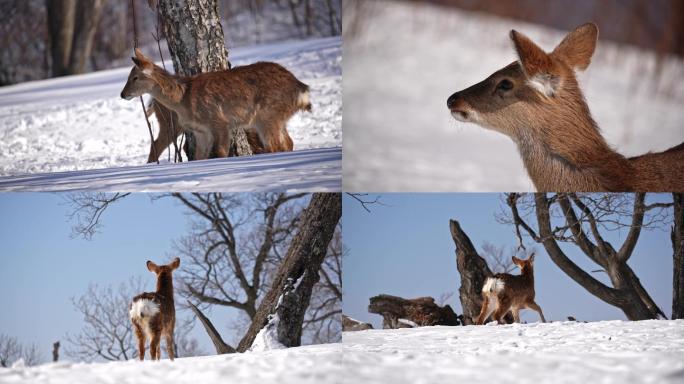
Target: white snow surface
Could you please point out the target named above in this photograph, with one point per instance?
(76, 123)
(560, 352)
(267, 338)
(407, 58)
(310, 364)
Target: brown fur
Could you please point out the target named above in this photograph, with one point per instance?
(517, 293)
(260, 98)
(164, 322)
(559, 142)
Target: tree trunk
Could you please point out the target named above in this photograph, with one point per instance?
(422, 311)
(291, 288)
(473, 270)
(55, 351)
(87, 16)
(195, 38)
(60, 19)
(678, 257)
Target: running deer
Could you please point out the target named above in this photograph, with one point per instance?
(259, 97)
(153, 313)
(537, 102)
(504, 292)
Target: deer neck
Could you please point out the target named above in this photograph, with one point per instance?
(169, 90)
(165, 287)
(559, 160)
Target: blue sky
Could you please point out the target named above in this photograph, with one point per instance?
(42, 267)
(404, 248)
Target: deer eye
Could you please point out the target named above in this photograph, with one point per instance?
(135, 78)
(505, 85)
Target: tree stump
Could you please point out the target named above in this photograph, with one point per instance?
(423, 311)
(352, 325)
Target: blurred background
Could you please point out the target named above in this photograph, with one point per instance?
(104, 30)
(402, 59)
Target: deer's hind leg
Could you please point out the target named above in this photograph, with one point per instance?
(501, 310)
(488, 306)
(169, 345)
(140, 335)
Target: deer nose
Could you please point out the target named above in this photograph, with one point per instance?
(452, 100)
(122, 95)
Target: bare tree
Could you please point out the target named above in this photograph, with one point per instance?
(11, 351)
(284, 306)
(499, 258)
(582, 220)
(87, 210)
(677, 236)
(108, 333)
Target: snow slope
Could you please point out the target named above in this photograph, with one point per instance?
(311, 170)
(80, 122)
(560, 352)
(408, 58)
(310, 364)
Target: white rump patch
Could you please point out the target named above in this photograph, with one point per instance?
(493, 285)
(143, 309)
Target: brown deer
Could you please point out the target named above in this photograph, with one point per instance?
(154, 314)
(259, 97)
(538, 103)
(505, 292)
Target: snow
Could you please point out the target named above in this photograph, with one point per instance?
(309, 364)
(267, 338)
(77, 123)
(312, 170)
(407, 58)
(560, 352)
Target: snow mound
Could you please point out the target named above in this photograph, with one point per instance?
(310, 364)
(560, 352)
(315, 170)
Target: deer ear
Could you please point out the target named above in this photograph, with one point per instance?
(578, 46)
(536, 64)
(531, 258)
(138, 63)
(152, 267)
(516, 261)
(175, 263)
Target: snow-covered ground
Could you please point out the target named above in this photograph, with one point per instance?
(80, 122)
(310, 170)
(560, 352)
(310, 364)
(407, 58)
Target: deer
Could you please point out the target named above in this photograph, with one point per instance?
(260, 98)
(538, 103)
(153, 314)
(504, 292)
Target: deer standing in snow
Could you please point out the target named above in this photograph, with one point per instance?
(505, 292)
(537, 102)
(154, 314)
(259, 98)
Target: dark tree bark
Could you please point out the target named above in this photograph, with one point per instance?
(55, 351)
(422, 311)
(351, 325)
(195, 38)
(678, 257)
(87, 18)
(473, 270)
(298, 273)
(61, 16)
(219, 344)
(580, 228)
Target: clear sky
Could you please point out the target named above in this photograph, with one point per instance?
(404, 248)
(42, 267)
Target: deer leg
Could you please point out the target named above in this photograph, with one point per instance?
(140, 335)
(154, 346)
(501, 310)
(488, 306)
(516, 314)
(169, 346)
(534, 306)
(166, 134)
